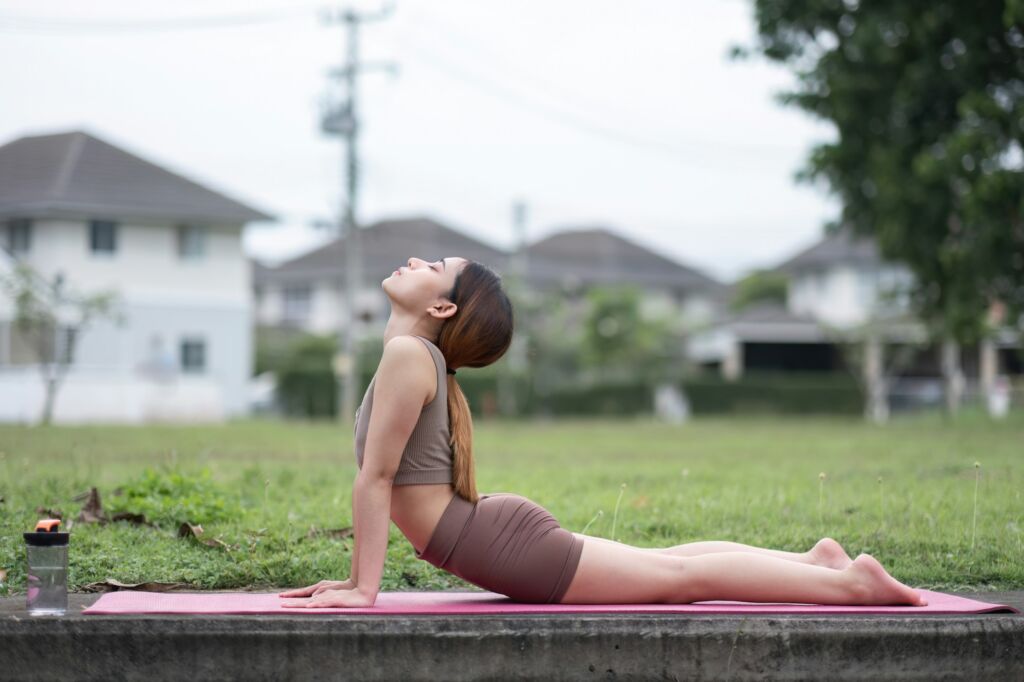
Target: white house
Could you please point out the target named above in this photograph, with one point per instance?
(577, 259)
(101, 218)
(842, 294)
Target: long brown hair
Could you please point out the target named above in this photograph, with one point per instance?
(477, 335)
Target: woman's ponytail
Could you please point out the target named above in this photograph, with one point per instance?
(477, 335)
(461, 425)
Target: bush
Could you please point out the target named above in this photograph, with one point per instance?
(170, 498)
(306, 385)
(780, 393)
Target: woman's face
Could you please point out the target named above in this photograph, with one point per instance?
(419, 285)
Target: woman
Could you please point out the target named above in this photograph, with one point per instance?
(414, 449)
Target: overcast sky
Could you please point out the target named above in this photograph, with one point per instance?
(627, 115)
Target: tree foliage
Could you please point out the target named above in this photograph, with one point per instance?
(618, 337)
(927, 100)
(760, 286)
(51, 317)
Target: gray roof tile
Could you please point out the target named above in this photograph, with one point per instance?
(841, 247)
(76, 173)
(599, 256)
(387, 245)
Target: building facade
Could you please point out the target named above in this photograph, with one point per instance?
(100, 218)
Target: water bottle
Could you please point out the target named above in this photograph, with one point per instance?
(47, 551)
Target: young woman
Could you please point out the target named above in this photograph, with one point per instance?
(413, 441)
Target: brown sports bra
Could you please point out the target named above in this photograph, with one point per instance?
(428, 454)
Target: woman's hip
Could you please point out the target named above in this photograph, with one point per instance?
(505, 543)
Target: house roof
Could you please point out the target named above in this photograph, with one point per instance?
(598, 255)
(385, 246)
(840, 247)
(76, 173)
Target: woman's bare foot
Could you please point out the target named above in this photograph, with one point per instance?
(872, 585)
(830, 554)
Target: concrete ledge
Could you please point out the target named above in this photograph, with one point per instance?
(542, 647)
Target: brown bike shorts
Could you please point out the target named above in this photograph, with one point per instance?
(507, 544)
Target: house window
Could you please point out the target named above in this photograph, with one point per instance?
(18, 236)
(103, 236)
(193, 356)
(66, 339)
(191, 241)
(297, 303)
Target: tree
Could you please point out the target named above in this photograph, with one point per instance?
(51, 318)
(927, 100)
(760, 286)
(617, 336)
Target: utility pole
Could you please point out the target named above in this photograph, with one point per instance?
(342, 119)
(516, 285)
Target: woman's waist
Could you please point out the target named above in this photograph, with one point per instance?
(417, 509)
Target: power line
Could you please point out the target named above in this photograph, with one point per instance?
(560, 116)
(46, 25)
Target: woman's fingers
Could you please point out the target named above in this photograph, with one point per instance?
(303, 591)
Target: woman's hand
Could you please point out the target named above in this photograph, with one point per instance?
(344, 598)
(321, 586)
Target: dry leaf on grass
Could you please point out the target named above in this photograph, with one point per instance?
(131, 517)
(92, 512)
(50, 513)
(195, 530)
(111, 585)
(336, 533)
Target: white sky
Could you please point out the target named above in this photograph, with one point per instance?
(627, 115)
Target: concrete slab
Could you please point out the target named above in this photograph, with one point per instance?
(520, 647)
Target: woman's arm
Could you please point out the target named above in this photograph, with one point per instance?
(353, 570)
(405, 378)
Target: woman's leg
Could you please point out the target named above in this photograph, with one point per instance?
(613, 573)
(827, 552)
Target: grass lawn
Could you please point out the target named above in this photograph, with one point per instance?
(259, 486)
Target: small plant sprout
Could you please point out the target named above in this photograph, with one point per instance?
(266, 485)
(615, 516)
(821, 499)
(974, 524)
(881, 504)
(599, 514)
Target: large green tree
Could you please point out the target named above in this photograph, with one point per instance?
(927, 100)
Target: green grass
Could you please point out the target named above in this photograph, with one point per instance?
(261, 485)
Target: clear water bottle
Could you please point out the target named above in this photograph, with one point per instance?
(47, 551)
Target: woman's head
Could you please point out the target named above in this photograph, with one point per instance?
(461, 303)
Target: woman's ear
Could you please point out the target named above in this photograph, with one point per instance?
(442, 310)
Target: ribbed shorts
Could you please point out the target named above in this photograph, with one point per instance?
(507, 544)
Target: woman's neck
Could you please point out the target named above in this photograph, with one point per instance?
(401, 323)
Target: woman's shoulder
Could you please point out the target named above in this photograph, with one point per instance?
(408, 361)
(408, 349)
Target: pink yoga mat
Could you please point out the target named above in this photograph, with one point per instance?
(469, 603)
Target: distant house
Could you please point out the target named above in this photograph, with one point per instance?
(841, 293)
(579, 259)
(307, 292)
(74, 205)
